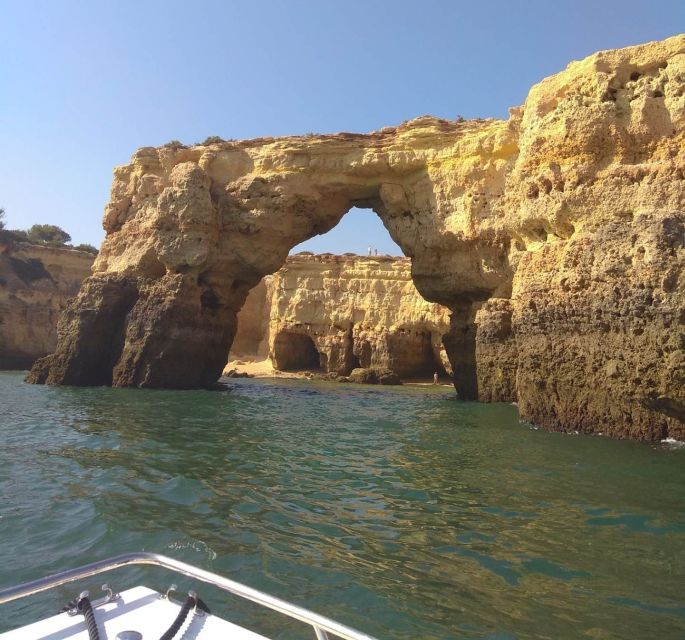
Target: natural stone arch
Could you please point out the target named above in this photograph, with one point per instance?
(556, 237)
(191, 230)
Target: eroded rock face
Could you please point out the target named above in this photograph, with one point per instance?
(35, 284)
(600, 330)
(544, 210)
(338, 313)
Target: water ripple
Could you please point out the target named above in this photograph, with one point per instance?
(404, 513)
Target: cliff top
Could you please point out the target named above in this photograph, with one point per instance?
(333, 258)
(10, 246)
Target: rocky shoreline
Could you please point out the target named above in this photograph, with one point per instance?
(556, 239)
(264, 370)
(35, 284)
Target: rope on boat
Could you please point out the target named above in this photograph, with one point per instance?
(83, 606)
(68, 607)
(191, 602)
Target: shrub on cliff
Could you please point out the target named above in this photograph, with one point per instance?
(13, 235)
(88, 248)
(2, 215)
(213, 140)
(175, 145)
(48, 234)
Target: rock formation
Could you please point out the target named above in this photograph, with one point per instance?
(338, 313)
(35, 284)
(558, 235)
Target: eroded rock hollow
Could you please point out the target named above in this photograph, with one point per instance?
(556, 238)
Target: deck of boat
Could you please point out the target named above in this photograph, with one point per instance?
(139, 609)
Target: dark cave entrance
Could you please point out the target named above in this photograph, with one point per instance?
(415, 353)
(295, 352)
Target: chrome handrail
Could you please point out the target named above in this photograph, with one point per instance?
(322, 625)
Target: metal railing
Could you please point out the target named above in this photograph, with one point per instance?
(322, 625)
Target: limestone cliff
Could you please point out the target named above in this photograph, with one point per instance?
(556, 239)
(35, 284)
(336, 313)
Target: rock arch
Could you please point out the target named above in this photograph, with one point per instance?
(191, 230)
(556, 237)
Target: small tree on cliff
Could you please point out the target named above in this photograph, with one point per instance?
(88, 248)
(48, 234)
(2, 216)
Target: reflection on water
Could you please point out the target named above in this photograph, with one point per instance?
(405, 513)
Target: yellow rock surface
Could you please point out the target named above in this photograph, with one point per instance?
(356, 311)
(35, 284)
(555, 238)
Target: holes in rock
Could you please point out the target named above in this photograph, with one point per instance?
(413, 355)
(352, 361)
(210, 300)
(295, 352)
(533, 191)
(364, 355)
(565, 230)
(539, 233)
(670, 281)
(546, 185)
(635, 75)
(658, 94)
(625, 214)
(609, 95)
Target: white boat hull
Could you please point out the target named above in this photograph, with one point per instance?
(138, 609)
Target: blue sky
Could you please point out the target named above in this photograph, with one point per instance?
(83, 84)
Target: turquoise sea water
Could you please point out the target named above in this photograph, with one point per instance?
(402, 512)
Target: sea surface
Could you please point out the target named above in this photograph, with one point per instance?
(402, 512)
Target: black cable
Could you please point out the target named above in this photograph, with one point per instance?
(83, 606)
(202, 606)
(180, 618)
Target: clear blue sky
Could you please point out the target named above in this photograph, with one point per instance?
(83, 84)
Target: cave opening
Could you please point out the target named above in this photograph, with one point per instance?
(295, 352)
(415, 353)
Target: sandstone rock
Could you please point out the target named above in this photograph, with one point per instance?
(572, 210)
(35, 284)
(233, 373)
(374, 375)
(496, 353)
(335, 313)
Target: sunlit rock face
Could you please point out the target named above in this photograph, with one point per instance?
(35, 284)
(571, 210)
(338, 313)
